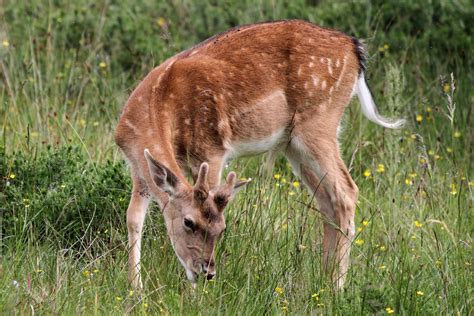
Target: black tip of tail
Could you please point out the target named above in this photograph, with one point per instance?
(360, 51)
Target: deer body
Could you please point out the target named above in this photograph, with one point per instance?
(278, 87)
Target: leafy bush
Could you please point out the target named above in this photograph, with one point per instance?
(57, 194)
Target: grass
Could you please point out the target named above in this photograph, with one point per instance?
(66, 73)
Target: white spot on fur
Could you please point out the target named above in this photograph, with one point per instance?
(331, 89)
(187, 121)
(194, 52)
(306, 85)
(323, 85)
(343, 70)
(315, 80)
(312, 58)
(221, 125)
(330, 66)
(321, 60)
(299, 71)
(338, 63)
(311, 65)
(130, 124)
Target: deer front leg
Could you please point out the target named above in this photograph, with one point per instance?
(135, 217)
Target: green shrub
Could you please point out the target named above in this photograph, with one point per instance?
(56, 194)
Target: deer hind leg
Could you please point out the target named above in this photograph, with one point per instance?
(135, 217)
(326, 176)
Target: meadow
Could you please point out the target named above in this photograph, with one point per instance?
(66, 71)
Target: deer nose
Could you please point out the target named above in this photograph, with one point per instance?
(210, 275)
(208, 269)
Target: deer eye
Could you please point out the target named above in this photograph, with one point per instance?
(189, 224)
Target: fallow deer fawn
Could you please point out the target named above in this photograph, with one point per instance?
(277, 87)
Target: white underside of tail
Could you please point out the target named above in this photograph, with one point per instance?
(369, 108)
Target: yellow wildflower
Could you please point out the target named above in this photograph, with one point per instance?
(437, 157)
(279, 290)
(446, 87)
(449, 149)
(422, 161)
(5, 43)
(380, 168)
(359, 242)
(12, 176)
(86, 273)
(420, 293)
(471, 183)
(412, 175)
(291, 193)
(161, 21)
(413, 237)
(296, 184)
(118, 298)
(315, 296)
(453, 189)
(389, 310)
(320, 305)
(428, 109)
(359, 229)
(386, 47)
(418, 224)
(283, 180)
(367, 173)
(383, 248)
(408, 181)
(365, 223)
(419, 118)
(102, 65)
(413, 136)
(431, 152)
(382, 267)
(277, 176)
(457, 134)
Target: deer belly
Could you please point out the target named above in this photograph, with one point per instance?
(255, 146)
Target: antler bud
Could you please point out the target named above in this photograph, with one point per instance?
(201, 188)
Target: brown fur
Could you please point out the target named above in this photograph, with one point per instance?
(242, 86)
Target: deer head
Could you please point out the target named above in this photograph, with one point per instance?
(194, 215)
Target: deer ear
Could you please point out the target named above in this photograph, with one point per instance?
(228, 191)
(234, 184)
(164, 178)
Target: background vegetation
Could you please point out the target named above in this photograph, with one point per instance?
(67, 69)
